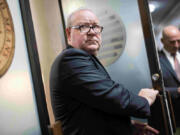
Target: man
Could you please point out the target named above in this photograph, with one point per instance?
(169, 56)
(83, 95)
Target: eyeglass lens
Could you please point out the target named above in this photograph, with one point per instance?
(96, 29)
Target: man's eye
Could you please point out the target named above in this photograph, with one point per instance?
(96, 26)
(84, 26)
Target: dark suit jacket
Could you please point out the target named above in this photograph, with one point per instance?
(171, 84)
(87, 101)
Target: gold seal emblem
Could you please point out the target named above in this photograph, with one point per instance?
(6, 37)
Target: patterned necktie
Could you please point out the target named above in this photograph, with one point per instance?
(176, 66)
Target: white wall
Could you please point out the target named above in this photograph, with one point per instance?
(18, 112)
(49, 38)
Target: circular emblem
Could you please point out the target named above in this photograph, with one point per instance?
(6, 37)
(113, 36)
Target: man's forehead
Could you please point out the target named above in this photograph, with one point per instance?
(84, 17)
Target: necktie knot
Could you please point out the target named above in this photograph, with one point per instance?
(173, 55)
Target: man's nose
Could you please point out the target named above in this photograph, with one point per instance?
(91, 31)
(177, 44)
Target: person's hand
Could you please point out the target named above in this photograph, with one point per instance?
(149, 94)
(143, 129)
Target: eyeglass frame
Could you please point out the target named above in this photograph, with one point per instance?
(90, 27)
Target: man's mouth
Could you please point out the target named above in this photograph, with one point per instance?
(92, 41)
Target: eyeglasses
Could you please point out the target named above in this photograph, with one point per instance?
(86, 28)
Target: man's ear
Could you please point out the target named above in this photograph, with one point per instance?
(68, 34)
(162, 40)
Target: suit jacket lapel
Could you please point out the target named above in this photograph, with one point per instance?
(96, 62)
(99, 65)
(167, 64)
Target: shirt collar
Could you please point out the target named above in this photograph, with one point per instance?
(167, 53)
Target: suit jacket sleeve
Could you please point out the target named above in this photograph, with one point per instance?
(85, 82)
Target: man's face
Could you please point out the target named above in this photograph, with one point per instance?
(89, 41)
(172, 42)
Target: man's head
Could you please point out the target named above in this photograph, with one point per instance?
(83, 31)
(171, 39)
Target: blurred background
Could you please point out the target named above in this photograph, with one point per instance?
(164, 12)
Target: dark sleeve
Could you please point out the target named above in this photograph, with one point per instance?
(90, 85)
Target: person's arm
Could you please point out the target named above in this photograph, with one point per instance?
(149, 94)
(93, 86)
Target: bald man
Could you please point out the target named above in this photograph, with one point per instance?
(170, 55)
(84, 97)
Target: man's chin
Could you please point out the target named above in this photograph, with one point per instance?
(92, 50)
